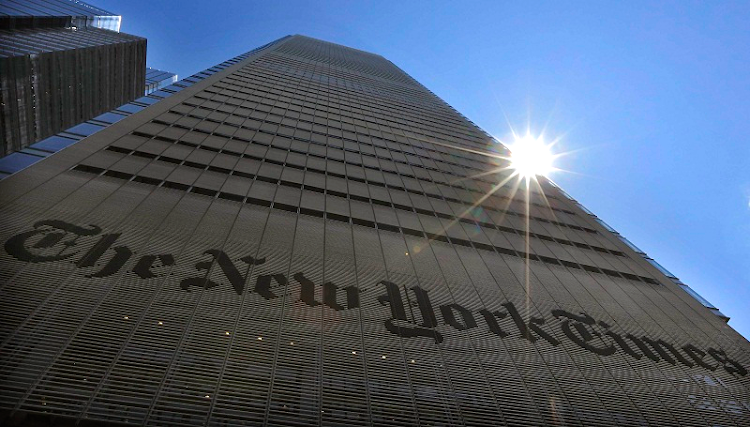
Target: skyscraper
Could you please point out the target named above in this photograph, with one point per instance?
(311, 237)
(62, 62)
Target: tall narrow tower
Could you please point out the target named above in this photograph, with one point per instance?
(308, 236)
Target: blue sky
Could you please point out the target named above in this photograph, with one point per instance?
(653, 99)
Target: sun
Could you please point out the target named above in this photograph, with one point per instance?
(530, 157)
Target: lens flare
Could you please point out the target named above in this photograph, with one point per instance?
(531, 157)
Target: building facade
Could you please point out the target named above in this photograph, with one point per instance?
(61, 64)
(311, 237)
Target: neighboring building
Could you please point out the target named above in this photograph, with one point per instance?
(158, 79)
(20, 160)
(60, 66)
(23, 14)
(305, 237)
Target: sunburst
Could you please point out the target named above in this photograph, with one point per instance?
(531, 156)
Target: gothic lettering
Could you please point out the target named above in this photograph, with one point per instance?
(624, 345)
(697, 355)
(329, 296)
(448, 311)
(19, 245)
(580, 331)
(425, 307)
(667, 352)
(489, 317)
(96, 251)
(54, 240)
(643, 347)
(393, 299)
(146, 263)
(263, 284)
(227, 267)
(352, 297)
(49, 240)
(728, 364)
(307, 291)
(121, 256)
(526, 328)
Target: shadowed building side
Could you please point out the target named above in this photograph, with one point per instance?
(54, 78)
(23, 14)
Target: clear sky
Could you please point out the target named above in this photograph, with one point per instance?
(653, 99)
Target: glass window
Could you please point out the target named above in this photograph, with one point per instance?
(85, 129)
(54, 143)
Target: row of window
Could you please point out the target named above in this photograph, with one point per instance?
(341, 125)
(370, 119)
(336, 185)
(347, 78)
(350, 59)
(397, 116)
(392, 151)
(307, 205)
(373, 172)
(401, 112)
(250, 128)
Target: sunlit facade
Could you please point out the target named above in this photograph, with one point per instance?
(308, 236)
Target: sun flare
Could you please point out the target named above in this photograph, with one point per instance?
(530, 157)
